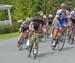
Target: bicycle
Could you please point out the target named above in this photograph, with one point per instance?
(71, 34)
(22, 41)
(34, 44)
(60, 41)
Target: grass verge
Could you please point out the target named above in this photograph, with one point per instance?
(9, 35)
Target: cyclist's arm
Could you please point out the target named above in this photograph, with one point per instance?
(31, 27)
(55, 20)
(58, 15)
(69, 19)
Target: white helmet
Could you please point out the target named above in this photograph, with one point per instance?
(27, 19)
(64, 5)
(74, 9)
(50, 16)
(44, 16)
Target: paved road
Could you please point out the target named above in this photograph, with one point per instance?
(9, 53)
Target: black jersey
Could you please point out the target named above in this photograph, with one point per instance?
(50, 21)
(37, 23)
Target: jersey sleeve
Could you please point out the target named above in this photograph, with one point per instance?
(68, 14)
(59, 13)
(72, 12)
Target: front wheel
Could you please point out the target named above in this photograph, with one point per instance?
(61, 41)
(20, 44)
(35, 50)
(71, 36)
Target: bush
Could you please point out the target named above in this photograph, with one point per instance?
(9, 28)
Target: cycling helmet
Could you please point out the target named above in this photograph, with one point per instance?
(40, 13)
(44, 16)
(50, 16)
(64, 5)
(28, 19)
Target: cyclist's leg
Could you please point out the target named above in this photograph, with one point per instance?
(21, 35)
(45, 31)
(31, 38)
(27, 38)
(55, 32)
(71, 31)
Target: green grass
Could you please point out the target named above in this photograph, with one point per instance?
(9, 35)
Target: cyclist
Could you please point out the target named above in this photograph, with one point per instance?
(23, 30)
(35, 27)
(50, 19)
(60, 21)
(73, 16)
(45, 25)
(71, 29)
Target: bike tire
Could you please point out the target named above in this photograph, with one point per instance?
(35, 50)
(61, 41)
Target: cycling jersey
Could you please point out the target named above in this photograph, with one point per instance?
(24, 26)
(44, 21)
(72, 14)
(37, 23)
(62, 16)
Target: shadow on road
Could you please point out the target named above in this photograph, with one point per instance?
(45, 54)
(68, 48)
(42, 41)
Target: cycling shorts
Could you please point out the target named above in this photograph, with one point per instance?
(73, 21)
(60, 23)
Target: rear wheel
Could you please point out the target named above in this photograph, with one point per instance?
(71, 36)
(61, 41)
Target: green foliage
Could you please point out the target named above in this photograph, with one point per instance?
(27, 8)
(9, 28)
(24, 8)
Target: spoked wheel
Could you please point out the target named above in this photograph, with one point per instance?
(45, 36)
(61, 41)
(20, 48)
(71, 37)
(61, 45)
(20, 43)
(35, 50)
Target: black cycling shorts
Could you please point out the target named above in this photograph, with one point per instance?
(50, 23)
(22, 29)
(73, 21)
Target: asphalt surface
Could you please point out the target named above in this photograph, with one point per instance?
(9, 53)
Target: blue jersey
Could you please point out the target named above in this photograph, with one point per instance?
(62, 15)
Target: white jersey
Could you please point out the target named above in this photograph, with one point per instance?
(72, 14)
(61, 14)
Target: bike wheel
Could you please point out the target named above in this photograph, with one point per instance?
(35, 50)
(20, 44)
(61, 41)
(71, 37)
